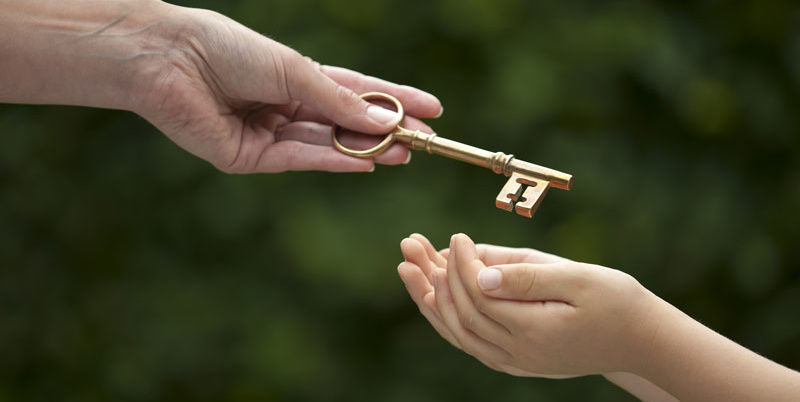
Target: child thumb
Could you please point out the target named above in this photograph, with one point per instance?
(529, 282)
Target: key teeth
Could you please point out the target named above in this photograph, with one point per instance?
(522, 194)
(509, 194)
(532, 198)
(504, 205)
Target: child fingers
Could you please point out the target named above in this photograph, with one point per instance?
(437, 322)
(415, 253)
(469, 342)
(421, 292)
(534, 282)
(462, 266)
(416, 283)
(465, 258)
(418, 288)
(433, 255)
(496, 255)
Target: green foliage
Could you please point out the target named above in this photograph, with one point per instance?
(132, 271)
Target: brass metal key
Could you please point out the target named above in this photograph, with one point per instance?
(527, 185)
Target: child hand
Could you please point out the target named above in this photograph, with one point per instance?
(567, 318)
(422, 261)
(417, 272)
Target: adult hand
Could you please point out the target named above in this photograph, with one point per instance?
(223, 92)
(249, 104)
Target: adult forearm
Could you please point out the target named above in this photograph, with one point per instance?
(694, 363)
(79, 52)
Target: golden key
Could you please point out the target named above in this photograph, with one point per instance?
(527, 185)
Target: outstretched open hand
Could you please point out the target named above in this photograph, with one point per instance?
(424, 271)
(526, 312)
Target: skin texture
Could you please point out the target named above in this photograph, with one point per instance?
(241, 101)
(529, 313)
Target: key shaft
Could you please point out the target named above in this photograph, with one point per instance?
(498, 162)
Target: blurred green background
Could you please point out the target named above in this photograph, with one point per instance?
(133, 271)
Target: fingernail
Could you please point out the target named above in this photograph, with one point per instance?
(381, 115)
(441, 112)
(372, 169)
(490, 278)
(453, 242)
(408, 158)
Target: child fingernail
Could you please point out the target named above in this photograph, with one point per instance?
(490, 278)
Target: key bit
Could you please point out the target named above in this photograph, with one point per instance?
(522, 194)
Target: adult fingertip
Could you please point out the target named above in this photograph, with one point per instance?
(441, 112)
(490, 279)
(432, 100)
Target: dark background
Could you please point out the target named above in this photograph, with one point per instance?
(132, 271)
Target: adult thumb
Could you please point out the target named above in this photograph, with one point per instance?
(307, 84)
(531, 282)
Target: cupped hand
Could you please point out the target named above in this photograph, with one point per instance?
(530, 313)
(424, 273)
(246, 103)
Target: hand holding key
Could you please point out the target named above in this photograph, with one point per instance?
(525, 189)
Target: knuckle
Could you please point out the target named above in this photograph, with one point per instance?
(347, 97)
(468, 322)
(289, 70)
(585, 275)
(480, 303)
(628, 282)
(525, 281)
(292, 60)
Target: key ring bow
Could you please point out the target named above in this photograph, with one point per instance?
(386, 142)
